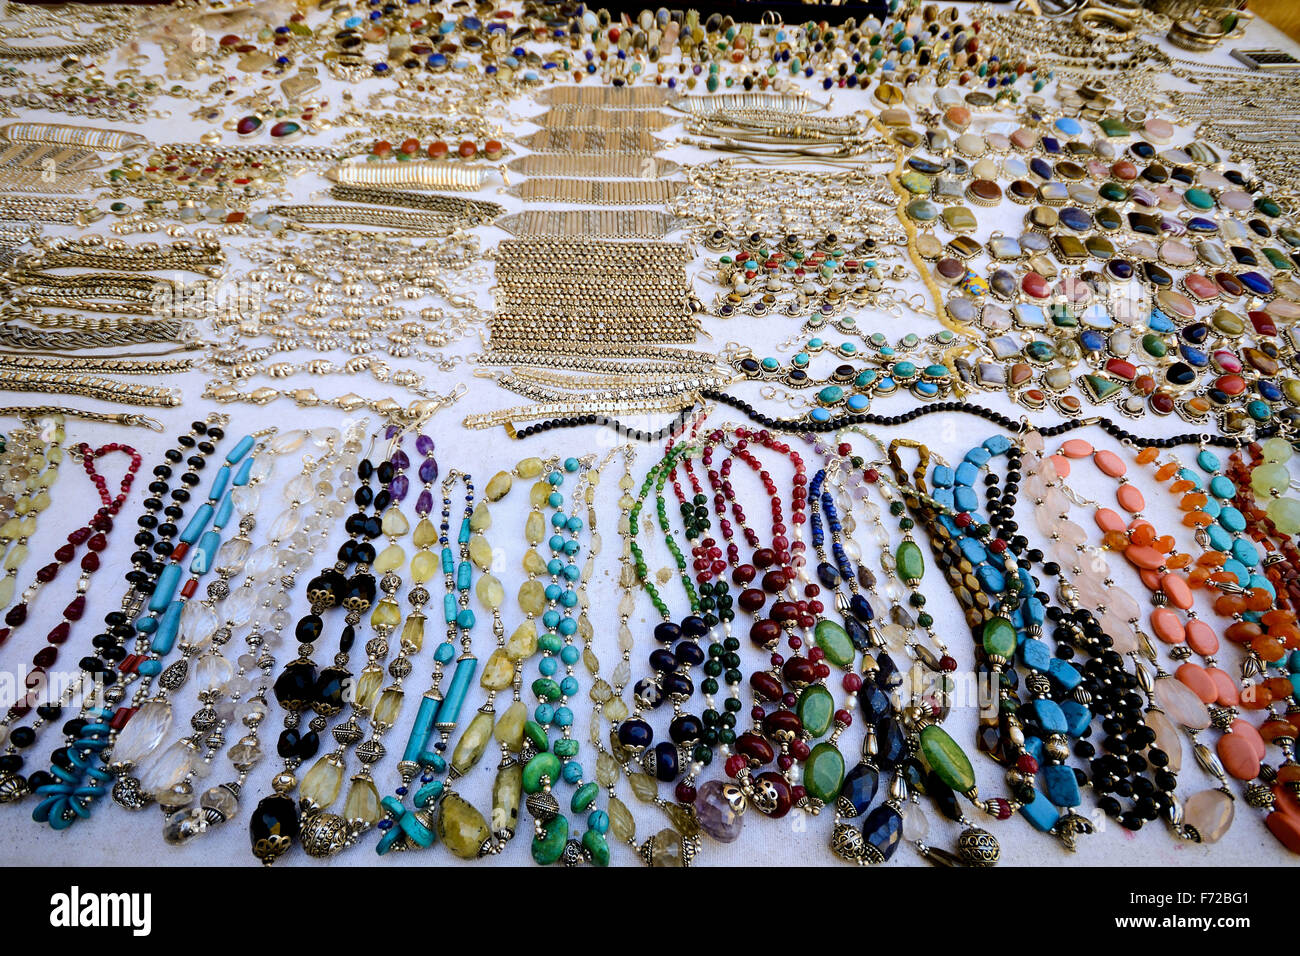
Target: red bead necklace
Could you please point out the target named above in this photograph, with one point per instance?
(774, 793)
(94, 535)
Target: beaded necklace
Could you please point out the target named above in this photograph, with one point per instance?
(670, 665)
(1272, 527)
(991, 627)
(100, 676)
(1053, 715)
(145, 773)
(260, 604)
(797, 604)
(595, 844)
(59, 793)
(894, 732)
(950, 772)
(61, 801)
(1208, 813)
(31, 457)
(1133, 763)
(437, 712)
(203, 633)
(715, 608)
(275, 823)
(718, 807)
(94, 535)
(558, 760)
(108, 650)
(459, 824)
(1264, 623)
(829, 644)
(325, 833)
(362, 808)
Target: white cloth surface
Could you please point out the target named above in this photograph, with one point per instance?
(115, 836)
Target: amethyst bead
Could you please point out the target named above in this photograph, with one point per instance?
(429, 470)
(399, 487)
(424, 503)
(400, 461)
(424, 445)
(716, 814)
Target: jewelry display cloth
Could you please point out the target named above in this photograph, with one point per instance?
(114, 836)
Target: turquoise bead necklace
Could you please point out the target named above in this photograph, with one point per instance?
(155, 779)
(156, 633)
(595, 844)
(1049, 676)
(203, 634)
(438, 713)
(558, 760)
(1227, 532)
(260, 605)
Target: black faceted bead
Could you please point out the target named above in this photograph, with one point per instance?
(273, 827)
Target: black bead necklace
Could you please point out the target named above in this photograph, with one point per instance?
(276, 822)
(110, 645)
(1128, 766)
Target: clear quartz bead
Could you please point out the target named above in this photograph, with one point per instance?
(285, 525)
(212, 671)
(237, 686)
(197, 625)
(916, 826)
(232, 554)
(246, 499)
(323, 439)
(169, 769)
(289, 441)
(262, 561)
(239, 606)
(261, 469)
(144, 732)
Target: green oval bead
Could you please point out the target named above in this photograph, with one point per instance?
(823, 773)
(999, 637)
(835, 641)
(566, 747)
(544, 765)
(815, 710)
(597, 847)
(536, 733)
(549, 847)
(910, 562)
(583, 797)
(948, 761)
